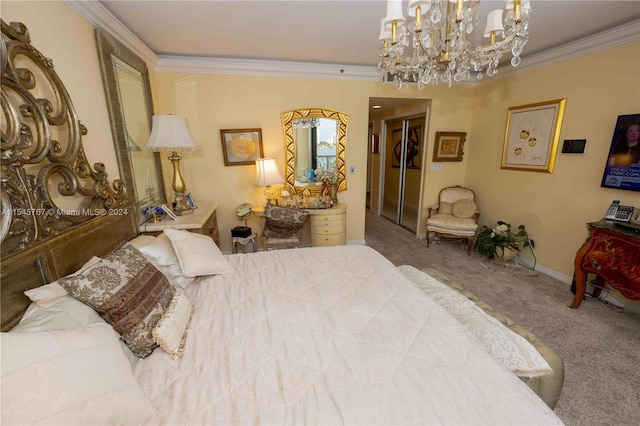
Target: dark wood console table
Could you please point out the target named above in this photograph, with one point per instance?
(613, 254)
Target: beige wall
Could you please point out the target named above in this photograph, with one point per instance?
(214, 102)
(598, 87)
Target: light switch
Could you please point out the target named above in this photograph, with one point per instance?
(436, 167)
(352, 170)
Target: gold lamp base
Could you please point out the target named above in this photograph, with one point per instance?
(181, 207)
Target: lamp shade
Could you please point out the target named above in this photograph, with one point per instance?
(267, 172)
(170, 133)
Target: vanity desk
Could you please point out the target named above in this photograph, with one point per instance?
(203, 221)
(613, 254)
(328, 227)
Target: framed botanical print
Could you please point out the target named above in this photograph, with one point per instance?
(449, 146)
(532, 136)
(241, 146)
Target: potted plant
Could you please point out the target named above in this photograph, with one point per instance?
(502, 242)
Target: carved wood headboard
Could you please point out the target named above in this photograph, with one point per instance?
(44, 172)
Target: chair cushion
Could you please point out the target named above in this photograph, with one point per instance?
(283, 222)
(449, 224)
(463, 209)
(445, 208)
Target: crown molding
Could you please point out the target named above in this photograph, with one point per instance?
(256, 67)
(616, 36)
(100, 17)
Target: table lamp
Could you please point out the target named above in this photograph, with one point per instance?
(170, 133)
(267, 174)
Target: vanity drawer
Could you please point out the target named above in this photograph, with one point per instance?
(329, 220)
(327, 230)
(319, 240)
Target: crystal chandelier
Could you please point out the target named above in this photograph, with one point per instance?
(306, 123)
(432, 47)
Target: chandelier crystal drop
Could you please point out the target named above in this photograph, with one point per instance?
(306, 122)
(431, 46)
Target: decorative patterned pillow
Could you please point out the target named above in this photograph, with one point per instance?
(464, 209)
(171, 331)
(128, 292)
(283, 222)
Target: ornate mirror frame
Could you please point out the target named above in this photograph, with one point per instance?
(110, 49)
(288, 118)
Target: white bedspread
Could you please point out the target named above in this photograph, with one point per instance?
(328, 336)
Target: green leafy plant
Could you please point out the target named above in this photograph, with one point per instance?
(490, 241)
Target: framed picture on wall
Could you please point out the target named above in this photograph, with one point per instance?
(241, 146)
(449, 146)
(532, 136)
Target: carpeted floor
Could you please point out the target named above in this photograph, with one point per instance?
(599, 345)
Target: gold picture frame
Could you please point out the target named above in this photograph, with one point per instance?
(532, 136)
(241, 146)
(449, 146)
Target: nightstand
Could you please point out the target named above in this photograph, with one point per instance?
(202, 221)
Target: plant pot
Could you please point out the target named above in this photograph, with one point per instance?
(506, 253)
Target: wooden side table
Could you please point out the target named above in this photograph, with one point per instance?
(613, 254)
(203, 221)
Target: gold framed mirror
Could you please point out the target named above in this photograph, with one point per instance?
(314, 138)
(128, 91)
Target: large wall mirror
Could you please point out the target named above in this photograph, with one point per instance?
(314, 138)
(128, 90)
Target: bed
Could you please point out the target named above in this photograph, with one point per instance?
(334, 335)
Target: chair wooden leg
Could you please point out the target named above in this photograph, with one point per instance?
(469, 246)
(428, 233)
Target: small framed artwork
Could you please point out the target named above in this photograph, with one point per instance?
(574, 146)
(532, 136)
(241, 146)
(449, 146)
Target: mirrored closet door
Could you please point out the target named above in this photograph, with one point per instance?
(404, 146)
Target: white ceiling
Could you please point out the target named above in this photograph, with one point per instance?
(325, 31)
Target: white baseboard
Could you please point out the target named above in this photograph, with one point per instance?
(554, 274)
(356, 242)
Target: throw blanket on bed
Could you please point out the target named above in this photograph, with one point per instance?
(333, 335)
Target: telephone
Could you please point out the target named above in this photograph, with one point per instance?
(619, 212)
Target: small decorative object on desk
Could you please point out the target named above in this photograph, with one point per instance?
(329, 179)
(502, 242)
(154, 213)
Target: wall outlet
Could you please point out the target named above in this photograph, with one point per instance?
(436, 167)
(352, 170)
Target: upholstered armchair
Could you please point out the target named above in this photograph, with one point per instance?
(283, 227)
(455, 215)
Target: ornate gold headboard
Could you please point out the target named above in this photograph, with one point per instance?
(57, 210)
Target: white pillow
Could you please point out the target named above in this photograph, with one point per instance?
(77, 376)
(160, 252)
(171, 331)
(68, 312)
(508, 348)
(48, 294)
(198, 254)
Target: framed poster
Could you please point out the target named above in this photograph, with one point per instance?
(532, 136)
(622, 170)
(241, 146)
